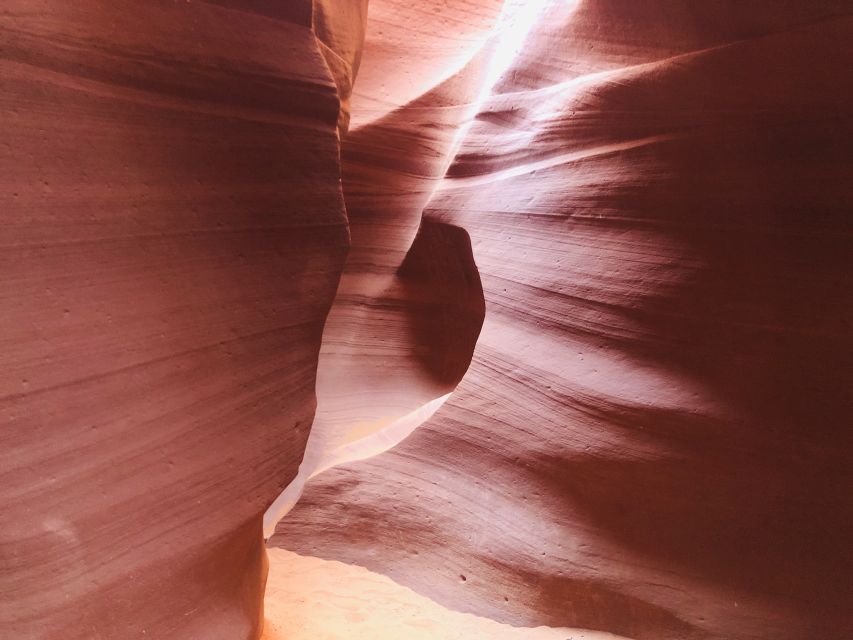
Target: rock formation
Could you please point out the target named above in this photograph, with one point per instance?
(173, 235)
(652, 437)
(571, 277)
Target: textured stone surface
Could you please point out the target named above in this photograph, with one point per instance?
(409, 307)
(648, 202)
(313, 599)
(173, 231)
(653, 437)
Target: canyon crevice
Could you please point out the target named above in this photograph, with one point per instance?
(536, 313)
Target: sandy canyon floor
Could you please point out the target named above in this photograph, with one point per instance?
(310, 598)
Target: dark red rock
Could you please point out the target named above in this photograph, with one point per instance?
(173, 234)
(652, 438)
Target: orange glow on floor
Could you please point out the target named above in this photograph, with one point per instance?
(312, 599)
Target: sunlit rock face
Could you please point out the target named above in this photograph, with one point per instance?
(409, 306)
(173, 231)
(575, 274)
(653, 436)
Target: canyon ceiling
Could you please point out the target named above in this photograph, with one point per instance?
(542, 309)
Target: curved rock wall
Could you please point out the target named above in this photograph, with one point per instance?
(173, 231)
(648, 202)
(409, 307)
(652, 438)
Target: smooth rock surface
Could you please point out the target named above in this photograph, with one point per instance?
(173, 231)
(598, 295)
(653, 436)
(313, 599)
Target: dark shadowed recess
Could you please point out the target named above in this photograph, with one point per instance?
(441, 278)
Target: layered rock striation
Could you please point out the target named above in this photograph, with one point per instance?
(539, 308)
(173, 234)
(652, 436)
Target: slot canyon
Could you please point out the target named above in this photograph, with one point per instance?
(426, 319)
